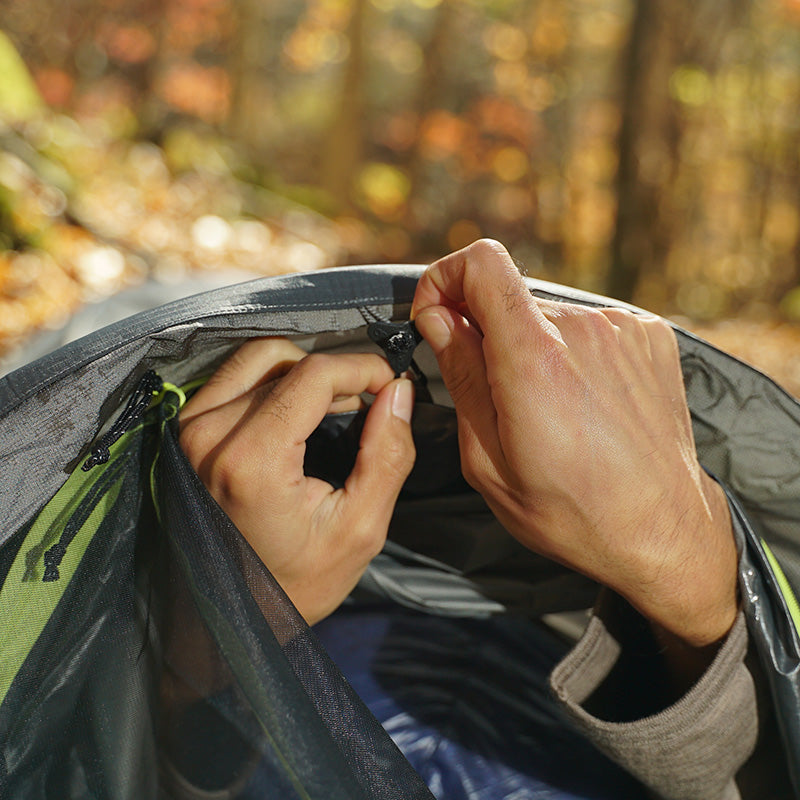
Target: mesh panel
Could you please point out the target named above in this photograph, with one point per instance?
(237, 645)
(174, 666)
(79, 719)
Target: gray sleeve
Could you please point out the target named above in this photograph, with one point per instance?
(690, 749)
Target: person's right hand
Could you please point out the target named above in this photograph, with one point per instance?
(573, 425)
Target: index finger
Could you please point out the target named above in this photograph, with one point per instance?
(482, 277)
(481, 282)
(299, 401)
(256, 362)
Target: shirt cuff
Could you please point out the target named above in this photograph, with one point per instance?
(691, 749)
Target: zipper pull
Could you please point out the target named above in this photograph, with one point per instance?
(398, 340)
(148, 387)
(52, 561)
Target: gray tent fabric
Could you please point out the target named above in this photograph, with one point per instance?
(123, 304)
(51, 410)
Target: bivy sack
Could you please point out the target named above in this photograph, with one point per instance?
(146, 652)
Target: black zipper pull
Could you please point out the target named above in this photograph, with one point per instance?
(52, 561)
(399, 340)
(149, 386)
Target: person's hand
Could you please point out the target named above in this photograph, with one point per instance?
(244, 433)
(573, 425)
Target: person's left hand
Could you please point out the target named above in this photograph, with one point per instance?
(244, 433)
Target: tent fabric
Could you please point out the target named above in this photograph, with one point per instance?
(165, 661)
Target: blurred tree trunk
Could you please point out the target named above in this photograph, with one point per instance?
(343, 149)
(664, 35)
(646, 147)
(249, 101)
(433, 92)
(153, 111)
(433, 88)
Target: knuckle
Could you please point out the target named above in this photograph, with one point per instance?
(663, 328)
(599, 325)
(314, 365)
(371, 543)
(196, 439)
(596, 318)
(620, 317)
(471, 466)
(473, 474)
(278, 356)
(226, 474)
(369, 537)
(655, 322)
(661, 331)
(365, 536)
(280, 346)
(220, 464)
(232, 365)
(314, 371)
(398, 454)
(277, 406)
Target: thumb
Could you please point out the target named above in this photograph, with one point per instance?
(385, 458)
(458, 347)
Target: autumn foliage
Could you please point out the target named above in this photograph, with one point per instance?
(647, 149)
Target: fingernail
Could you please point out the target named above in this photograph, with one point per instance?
(403, 399)
(434, 328)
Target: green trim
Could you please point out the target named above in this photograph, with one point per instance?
(52, 519)
(171, 388)
(784, 585)
(27, 602)
(169, 410)
(191, 386)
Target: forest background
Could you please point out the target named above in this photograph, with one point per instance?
(644, 149)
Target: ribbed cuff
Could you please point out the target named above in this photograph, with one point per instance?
(689, 751)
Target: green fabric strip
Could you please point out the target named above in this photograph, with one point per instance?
(785, 586)
(26, 602)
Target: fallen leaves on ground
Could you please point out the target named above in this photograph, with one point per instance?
(93, 216)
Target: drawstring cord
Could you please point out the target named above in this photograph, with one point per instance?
(148, 387)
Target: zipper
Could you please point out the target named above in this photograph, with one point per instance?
(138, 404)
(149, 386)
(53, 557)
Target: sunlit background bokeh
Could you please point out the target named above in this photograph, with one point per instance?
(644, 149)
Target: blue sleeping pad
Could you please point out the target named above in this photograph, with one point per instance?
(468, 704)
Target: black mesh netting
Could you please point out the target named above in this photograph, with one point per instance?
(174, 666)
(291, 725)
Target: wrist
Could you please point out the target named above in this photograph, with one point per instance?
(694, 596)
